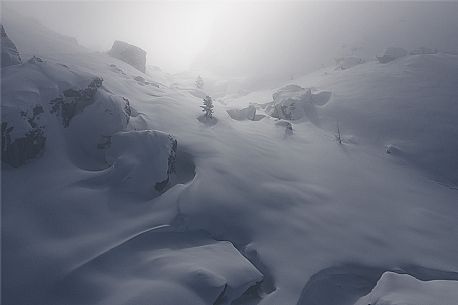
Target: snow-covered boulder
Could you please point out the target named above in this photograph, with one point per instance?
(403, 289)
(130, 54)
(293, 102)
(391, 54)
(10, 54)
(164, 267)
(142, 161)
(344, 63)
(248, 113)
(44, 100)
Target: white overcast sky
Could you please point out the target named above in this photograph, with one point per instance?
(238, 37)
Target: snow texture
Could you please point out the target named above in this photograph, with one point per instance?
(403, 289)
(122, 196)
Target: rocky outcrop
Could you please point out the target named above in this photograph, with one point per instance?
(130, 54)
(10, 54)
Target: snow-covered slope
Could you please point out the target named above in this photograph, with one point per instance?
(244, 212)
(410, 103)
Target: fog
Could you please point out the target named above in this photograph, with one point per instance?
(261, 39)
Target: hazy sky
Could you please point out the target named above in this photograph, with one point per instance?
(264, 38)
(171, 32)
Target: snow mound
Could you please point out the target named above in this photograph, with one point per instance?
(133, 55)
(403, 289)
(163, 266)
(10, 54)
(293, 102)
(391, 54)
(142, 161)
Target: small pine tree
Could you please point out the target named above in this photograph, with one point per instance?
(199, 82)
(208, 107)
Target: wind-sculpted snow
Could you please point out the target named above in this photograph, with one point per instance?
(400, 289)
(346, 283)
(142, 161)
(161, 266)
(251, 215)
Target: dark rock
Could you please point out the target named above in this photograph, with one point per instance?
(129, 54)
(16, 152)
(160, 186)
(74, 101)
(10, 54)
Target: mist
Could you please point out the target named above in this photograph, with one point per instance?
(251, 39)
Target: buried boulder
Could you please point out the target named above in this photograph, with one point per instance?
(141, 161)
(163, 266)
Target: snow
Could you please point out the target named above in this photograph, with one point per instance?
(348, 62)
(141, 160)
(246, 206)
(248, 113)
(403, 289)
(391, 54)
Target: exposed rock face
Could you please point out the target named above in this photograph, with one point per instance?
(30, 142)
(10, 54)
(74, 101)
(130, 54)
